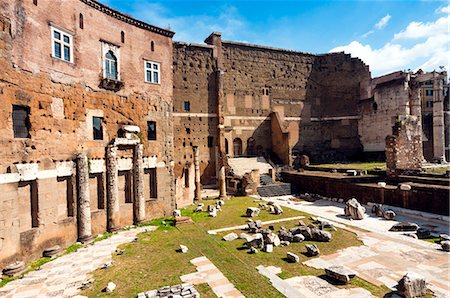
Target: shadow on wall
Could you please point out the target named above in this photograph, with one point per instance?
(328, 129)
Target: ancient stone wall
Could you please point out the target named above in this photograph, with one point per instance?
(38, 177)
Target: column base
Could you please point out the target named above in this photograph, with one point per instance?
(115, 229)
(85, 239)
(224, 197)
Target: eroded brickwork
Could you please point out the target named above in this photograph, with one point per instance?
(38, 206)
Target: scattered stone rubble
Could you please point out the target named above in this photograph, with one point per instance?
(183, 248)
(445, 245)
(404, 227)
(178, 291)
(110, 287)
(252, 211)
(380, 211)
(354, 210)
(230, 237)
(293, 257)
(412, 285)
(312, 250)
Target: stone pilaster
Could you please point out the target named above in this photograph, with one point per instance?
(138, 176)
(438, 121)
(198, 185)
(112, 189)
(83, 199)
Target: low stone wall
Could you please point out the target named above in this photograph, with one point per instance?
(432, 198)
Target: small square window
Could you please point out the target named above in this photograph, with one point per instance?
(429, 104)
(151, 130)
(21, 121)
(429, 92)
(97, 125)
(152, 72)
(62, 45)
(187, 106)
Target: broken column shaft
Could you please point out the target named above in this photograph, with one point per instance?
(138, 175)
(112, 189)
(83, 199)
(198, 185)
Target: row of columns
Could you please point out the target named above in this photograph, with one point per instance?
(112, 192)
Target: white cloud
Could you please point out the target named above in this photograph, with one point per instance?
(192, 28)
(383, 22)
(421, 30)
(368, 33)
(429, 48)
(445, 9)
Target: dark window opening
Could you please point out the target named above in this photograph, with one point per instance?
(226, 146)
(35, 2)
(122, 37)
(97, 125)
(188, 130)
(210, 141)
(429, 92)
(21, 121)
(429, 103)
(81, 21)
(152, 46)
(153, 185)
(187, 106)
(237, 147)
(151, 130)
(128, 187)
(186, 177)
(375, 106)
(100, 192)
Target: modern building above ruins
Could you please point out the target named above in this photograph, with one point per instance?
(106, 121)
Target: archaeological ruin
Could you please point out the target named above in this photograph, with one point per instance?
(107, 122)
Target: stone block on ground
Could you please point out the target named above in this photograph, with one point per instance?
(183, 248)
(444, 237)
(354, 210)
(52, 251)
(213, 213)
(253, 250)
(180, 220)
(404, 227)
(412, 285)
(293, 258)
(14, 269)
(340, 273)
(312, 250)
(110, 287)
(298, 238)
(423, 233)
(445, 245)
(277, 209)
(268, 248)
(252, 211)
(389, 215)
(230, 237)
(176, 213)
(285, 235)
(321, 236)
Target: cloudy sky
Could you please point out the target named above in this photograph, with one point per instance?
(387, 35)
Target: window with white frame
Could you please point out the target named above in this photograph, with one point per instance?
(152, 72)
(111, 66)
(62, 45)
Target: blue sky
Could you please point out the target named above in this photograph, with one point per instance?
(387, 35)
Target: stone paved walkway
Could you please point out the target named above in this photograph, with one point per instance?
(63, 276)
(208, 273)
(385, 256)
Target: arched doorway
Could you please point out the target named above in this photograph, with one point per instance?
(226, 146)
(237, 147)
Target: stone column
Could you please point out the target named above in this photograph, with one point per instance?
(222, 183)
(198, 185)
(438, 121)
(112, 189)
(138, 184)
(83, 199)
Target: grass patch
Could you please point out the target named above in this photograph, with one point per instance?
(104, 236)
(436, 240)
(73, 247)
(153, 262)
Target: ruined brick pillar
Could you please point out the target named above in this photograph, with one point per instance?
(138, 183)
(112, 189)
(198, 185)
(83, 199)
(215, 39)
(438, 121)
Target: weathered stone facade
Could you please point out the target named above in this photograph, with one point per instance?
(56, 186)
(265, 101)
(399, 94)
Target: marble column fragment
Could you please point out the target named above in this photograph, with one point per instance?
(138, 183)
(198, 185)
(112, 189)
(83, 199)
